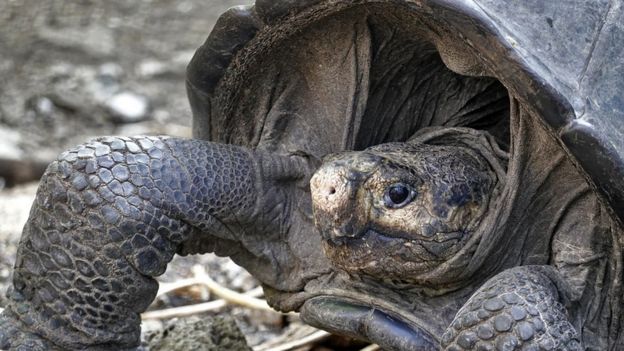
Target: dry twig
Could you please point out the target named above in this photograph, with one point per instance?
(200, 277)
(165, 288)
(228, 294)
(291, 345)
(190, 310)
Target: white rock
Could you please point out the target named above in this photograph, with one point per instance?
(61, 69)
(14, 209)
(44, 106)
(161, 116)
(110, 69)
(151, 68)
(94, 40)
(151, 325)
(141, 128)
(9, 141)
(185, 7)
(128, 107)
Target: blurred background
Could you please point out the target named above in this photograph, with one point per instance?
(73, 69)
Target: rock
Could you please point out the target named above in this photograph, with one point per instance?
(60, 70)
(111, 70)
(161, 116)
(151, 68)
(14, 209)
(128, 107)
(13, 172)
(175, 67)
(185, 7)
(76, 89)
(140, 128)
(150, 327)
(6, 65)
(96, 41)
(44, 106)
(9, 141)
(205, 334)
(39, 107)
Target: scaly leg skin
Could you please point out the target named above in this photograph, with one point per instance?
(519, 309)
(108, 217)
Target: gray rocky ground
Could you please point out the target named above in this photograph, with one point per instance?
(71, 70)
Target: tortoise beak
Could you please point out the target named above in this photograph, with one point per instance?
(333, 197)
(334, 189)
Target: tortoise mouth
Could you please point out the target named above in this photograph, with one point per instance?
(371, 233)
(387, 257)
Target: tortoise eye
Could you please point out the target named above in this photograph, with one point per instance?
(398, 195)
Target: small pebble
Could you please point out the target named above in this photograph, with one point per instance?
(128, 107)
(151, 68)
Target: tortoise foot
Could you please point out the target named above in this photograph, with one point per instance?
(108, 217)
(519, 309)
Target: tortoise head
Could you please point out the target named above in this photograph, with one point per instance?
(397, 211)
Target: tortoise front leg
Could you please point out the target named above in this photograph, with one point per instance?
(518, 309)
(108, 217)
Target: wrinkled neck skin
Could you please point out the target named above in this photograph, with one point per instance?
(268, 237)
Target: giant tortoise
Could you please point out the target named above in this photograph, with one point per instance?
(423, 174)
